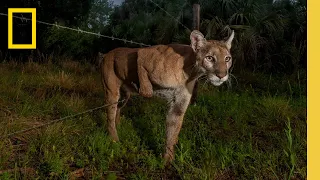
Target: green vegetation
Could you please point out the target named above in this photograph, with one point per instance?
(255, 129)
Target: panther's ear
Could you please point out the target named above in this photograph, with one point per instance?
(229, 41)
(197, 40)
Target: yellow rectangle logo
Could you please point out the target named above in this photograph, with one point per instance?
(10, 27)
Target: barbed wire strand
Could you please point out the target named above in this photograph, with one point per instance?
(182, 9)
(80, 30)
(60, 119)
(170, 15)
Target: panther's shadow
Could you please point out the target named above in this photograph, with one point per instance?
(151, 134)
(146, 129)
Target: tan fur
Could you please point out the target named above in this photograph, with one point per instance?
(166, 71)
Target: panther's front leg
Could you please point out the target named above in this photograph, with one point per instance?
(174, 121)
(145, 88)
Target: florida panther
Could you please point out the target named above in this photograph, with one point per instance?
(166, 71)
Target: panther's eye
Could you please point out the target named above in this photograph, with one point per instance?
(228, 58)
(210, 58)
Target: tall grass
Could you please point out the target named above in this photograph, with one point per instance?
(255, 130)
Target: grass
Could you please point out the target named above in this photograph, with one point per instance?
(255, 130)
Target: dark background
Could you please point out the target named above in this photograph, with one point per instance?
(22, 29)
(270, 36)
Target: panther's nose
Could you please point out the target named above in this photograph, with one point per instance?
(221, 74)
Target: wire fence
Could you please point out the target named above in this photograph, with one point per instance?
(58, 120)
(170, 14)
(80, 30)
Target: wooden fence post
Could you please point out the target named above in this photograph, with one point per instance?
(196, 26)
(196, 16)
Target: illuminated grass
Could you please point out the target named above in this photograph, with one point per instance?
(256, 130)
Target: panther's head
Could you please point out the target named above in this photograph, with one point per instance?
(213, 57)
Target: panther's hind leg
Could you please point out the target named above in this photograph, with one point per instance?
(112, 97)
(126, 94)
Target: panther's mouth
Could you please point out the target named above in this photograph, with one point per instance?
(216, 81)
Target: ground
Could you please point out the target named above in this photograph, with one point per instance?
(255, 129)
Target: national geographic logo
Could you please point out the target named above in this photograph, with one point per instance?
(10, 28)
